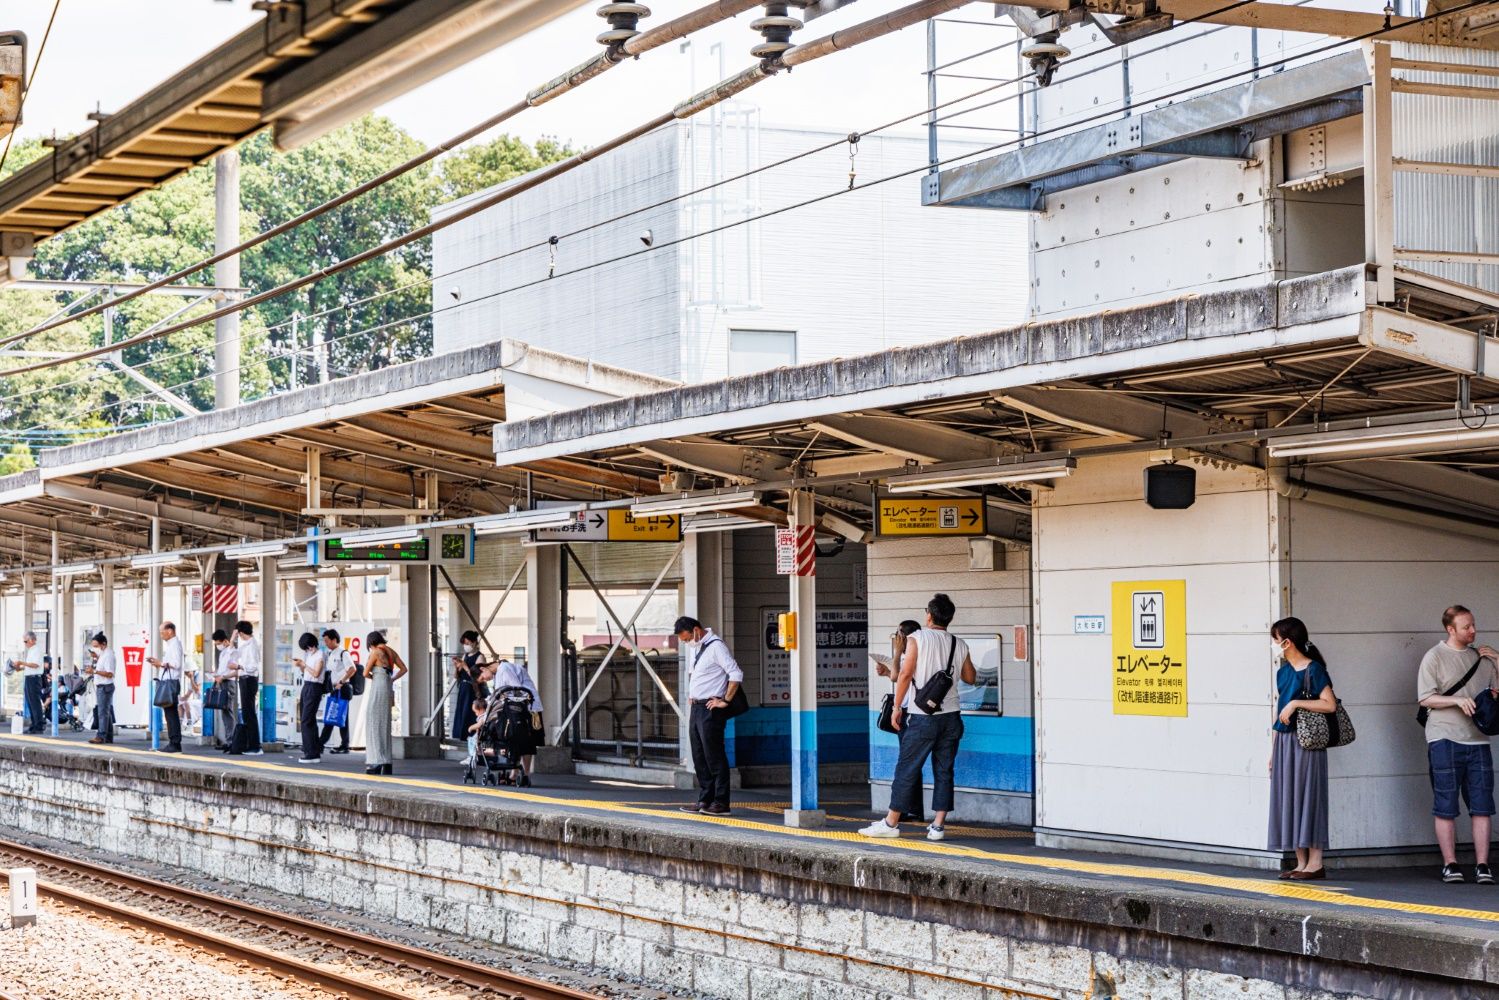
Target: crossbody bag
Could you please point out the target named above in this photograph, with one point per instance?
(737, 705)
(930, 696)
(1423, 713)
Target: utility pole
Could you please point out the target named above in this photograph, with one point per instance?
(226, 275)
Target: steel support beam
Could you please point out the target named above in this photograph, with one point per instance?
(224, 524)
(921, 440)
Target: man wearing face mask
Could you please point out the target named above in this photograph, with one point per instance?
(466, 674)
(340, 671)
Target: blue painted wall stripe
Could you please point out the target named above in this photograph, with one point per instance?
(997, 753)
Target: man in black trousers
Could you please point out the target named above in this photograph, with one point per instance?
(712, 683)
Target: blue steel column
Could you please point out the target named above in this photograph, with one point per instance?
(804, 811)
(54, 630)
(153, 634)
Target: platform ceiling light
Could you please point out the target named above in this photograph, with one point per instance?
(1433, 437)
(399, 535)
(519, 522)
(698, 524)
(76, 569)
(154, 559)
(256, 550)
(994, 475)
(689, 503)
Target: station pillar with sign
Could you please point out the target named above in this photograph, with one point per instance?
(803, 662)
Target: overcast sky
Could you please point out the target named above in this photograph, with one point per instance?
(106, 52)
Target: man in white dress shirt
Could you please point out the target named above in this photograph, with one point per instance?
(226, 676)
(714, 680)
(169, 671)
(103, 672)
(247, 735)
(29, 662)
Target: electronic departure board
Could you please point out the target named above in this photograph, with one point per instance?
(413, 552)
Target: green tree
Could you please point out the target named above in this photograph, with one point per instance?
(369, 316)
(17, 459)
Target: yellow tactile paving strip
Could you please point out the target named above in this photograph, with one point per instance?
(1263, 886)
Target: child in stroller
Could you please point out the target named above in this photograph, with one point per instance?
(70, 696)
(505, 736)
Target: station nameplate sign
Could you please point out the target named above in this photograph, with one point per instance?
(913, 516)
(617, 525)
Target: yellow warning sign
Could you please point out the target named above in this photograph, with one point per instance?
(1150, 647)
(942, 516)
(627, 527)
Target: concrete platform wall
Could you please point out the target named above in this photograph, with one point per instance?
(718, 912)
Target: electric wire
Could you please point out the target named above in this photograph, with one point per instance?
(923, 112)
(829, 44)
(36, 64)
(724, 90)
(634, 47)
(1337, 43)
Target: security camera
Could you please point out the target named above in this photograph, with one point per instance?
(648, 238)
(455, 292)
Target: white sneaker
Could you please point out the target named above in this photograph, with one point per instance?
(879, 828)
(935, 832)
(254, 753)
(309, 760)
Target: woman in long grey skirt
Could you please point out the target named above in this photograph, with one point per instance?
(382, 668)
(1298, 777)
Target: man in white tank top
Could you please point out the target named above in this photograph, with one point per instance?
(935, 734)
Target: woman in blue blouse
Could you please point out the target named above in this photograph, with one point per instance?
(1298, 777)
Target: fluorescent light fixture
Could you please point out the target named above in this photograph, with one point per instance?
(1417, 438)
(520, 521)
(701, 523)
(399, 535)
(76, 569)
(994, 475)
(154, 559)
(256, 550)
(694, 503)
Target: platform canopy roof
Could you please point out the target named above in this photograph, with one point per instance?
(1216, 372)
(250, 472)
(307, 67)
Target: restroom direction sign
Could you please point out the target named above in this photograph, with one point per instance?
(922, 516)
(615, 525)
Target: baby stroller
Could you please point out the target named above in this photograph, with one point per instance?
(505, 736)
(70, 695)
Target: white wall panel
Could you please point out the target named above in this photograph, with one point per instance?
(1198, 779)
(1372, 591)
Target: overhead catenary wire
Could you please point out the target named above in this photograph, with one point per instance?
(906, 16)
(435, 312)
(646, 41)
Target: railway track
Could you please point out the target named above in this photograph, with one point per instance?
(346, 963)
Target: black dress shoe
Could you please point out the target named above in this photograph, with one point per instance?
(385, 769)
(339, 750)
(716, 810)
(372, 770)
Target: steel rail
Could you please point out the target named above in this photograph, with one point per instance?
(430, 964)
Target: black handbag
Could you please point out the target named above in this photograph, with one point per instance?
(215, 698)
(1423, 713)
(886, 721)
(930, 696)
(166, 694)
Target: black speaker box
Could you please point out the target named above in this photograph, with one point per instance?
(1170, 487)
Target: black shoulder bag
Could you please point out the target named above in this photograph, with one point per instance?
(886, 721)
(1423, 713)
(930, 696)
(735, 706)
